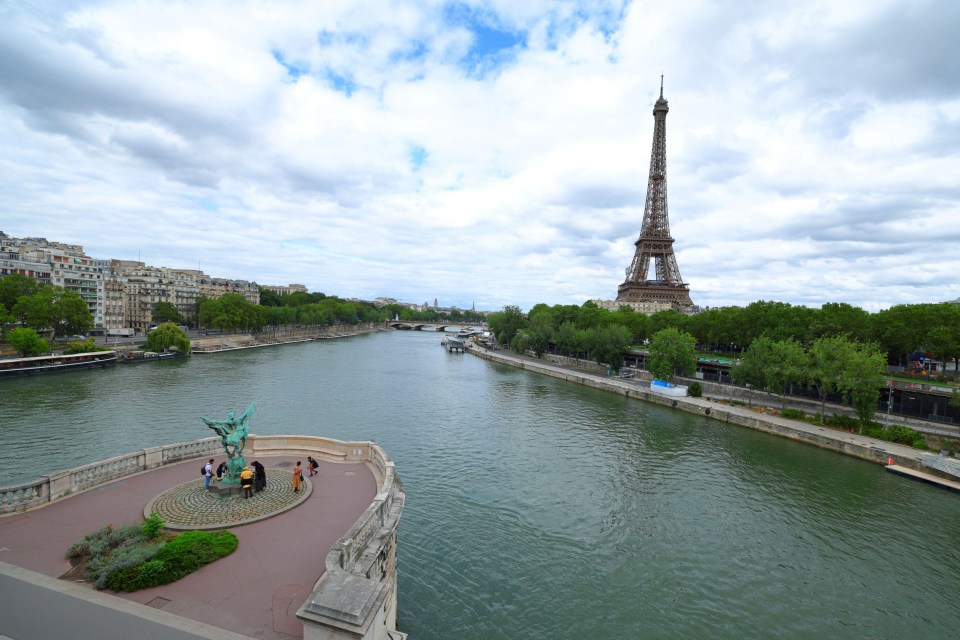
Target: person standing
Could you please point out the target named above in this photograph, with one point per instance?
(312, 466)
(259, 477)
(208, 473)
(221, 469)
(246, 482)
(297, 477)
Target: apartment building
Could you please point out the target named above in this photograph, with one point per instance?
(63, 265)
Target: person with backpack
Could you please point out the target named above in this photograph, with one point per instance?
(207, 474)
(312, 465)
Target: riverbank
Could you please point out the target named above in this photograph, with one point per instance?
(851, 444)
(218, 344)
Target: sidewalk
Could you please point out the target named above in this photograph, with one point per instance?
(254, 592)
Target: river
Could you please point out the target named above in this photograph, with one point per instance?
(538, 508)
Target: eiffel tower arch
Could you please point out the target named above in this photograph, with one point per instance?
(655, 245)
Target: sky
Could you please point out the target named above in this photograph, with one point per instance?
(493, 153)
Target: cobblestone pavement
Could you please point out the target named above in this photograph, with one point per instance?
(190, 506)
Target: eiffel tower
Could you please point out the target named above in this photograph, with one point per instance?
(655, 242)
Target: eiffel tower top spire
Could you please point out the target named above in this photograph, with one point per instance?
(655, 243)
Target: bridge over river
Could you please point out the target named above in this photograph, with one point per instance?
(416, 325)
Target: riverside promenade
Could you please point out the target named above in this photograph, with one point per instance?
(286, 542)
(896, 457)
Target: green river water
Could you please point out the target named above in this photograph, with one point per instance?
(538, 508)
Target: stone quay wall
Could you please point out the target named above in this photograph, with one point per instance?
(356, 597)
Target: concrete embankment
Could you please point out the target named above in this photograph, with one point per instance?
(234, 342)
(851, 444)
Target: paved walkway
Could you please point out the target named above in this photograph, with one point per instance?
(255, 591)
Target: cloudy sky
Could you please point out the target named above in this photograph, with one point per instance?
(493, 152)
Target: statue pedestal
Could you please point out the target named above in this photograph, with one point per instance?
(225, 490)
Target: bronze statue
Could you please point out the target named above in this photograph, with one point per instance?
(233, 435)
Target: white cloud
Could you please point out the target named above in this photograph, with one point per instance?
(398, 149)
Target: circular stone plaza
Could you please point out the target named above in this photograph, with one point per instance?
(316, 563)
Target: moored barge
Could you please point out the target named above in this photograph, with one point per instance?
(37, 365)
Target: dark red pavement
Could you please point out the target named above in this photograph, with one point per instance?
(255, 591)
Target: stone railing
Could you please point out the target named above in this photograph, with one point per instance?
(60, 484)
(357, 595)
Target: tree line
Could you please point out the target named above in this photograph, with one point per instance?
(901, 330)
(837, 349)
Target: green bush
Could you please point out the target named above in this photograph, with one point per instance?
(152, 526)
(695, 389)
(796, 414)
(179, 557)
(137, 556)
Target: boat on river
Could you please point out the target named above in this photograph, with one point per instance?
(134, 357)
(38, 365)
(452, 344)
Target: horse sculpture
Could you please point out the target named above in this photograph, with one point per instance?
(233, 436)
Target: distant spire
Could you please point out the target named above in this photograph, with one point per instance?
(661, 85)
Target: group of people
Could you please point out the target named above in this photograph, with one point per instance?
(254, 481)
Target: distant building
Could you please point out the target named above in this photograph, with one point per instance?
(282, 290)
(646, 307)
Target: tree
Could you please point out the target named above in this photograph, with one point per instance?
(771, 365)
(751, 369)
(790, 369)
(570, 340)
(672, 353)
(540, 332)
(54, 308)
(168, 335)
(14, 286)
(505, 324)
(827, 364)
(270, 298)
(27, 342)
(607, 344)
(166, 312)
(862, 378)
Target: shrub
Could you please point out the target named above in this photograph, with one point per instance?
(695, 389)
(179, 557)
(137, 556)
(796, 414)
(152, 526)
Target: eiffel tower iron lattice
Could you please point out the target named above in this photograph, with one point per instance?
(655, 243)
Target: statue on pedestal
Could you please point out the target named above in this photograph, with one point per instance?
(233, 435)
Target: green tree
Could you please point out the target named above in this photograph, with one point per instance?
(270, 298)
(862, 378)
(168, 335)
(540, 332)
(607, 344)
(520, 342)
(27, 342)
(791, 368)
(827, 366)
(55, 308)
(14, 286)
(166, 312)
(671, 354)
(505, 324)
(753, 366)
(570, 340)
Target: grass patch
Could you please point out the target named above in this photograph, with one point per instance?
(143, 555)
